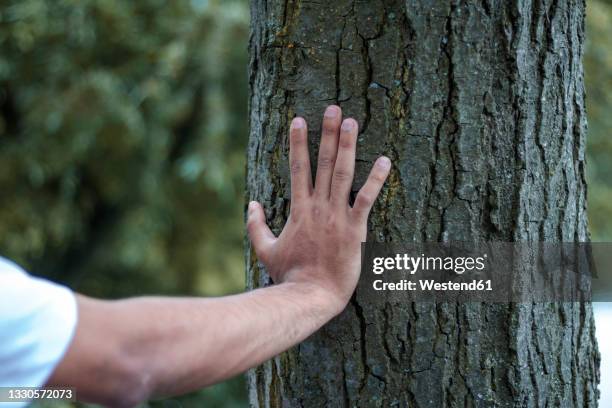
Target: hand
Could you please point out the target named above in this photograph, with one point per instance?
(320, 244)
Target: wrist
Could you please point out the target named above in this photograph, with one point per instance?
(324, 302)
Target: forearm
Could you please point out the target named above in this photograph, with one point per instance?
(128, 350)
(197, 342)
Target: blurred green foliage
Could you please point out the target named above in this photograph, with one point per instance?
(122, 138)
(123, 128)
(598, 79)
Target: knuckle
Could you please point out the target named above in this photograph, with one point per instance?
(378, 177)
(365, 199)
(330, 127)
(346, 141)
(325, 163)
(251, 224)
(342, 175)
(331, 225)
(297, 135)
(297, 140)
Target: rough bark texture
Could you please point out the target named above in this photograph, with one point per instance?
(480, 104)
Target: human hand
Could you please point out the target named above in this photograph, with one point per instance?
(320, 245)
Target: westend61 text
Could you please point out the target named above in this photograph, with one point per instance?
(432, 285)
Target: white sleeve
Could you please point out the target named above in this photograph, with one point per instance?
(37, 322)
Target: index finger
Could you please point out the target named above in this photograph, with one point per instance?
(368, 193)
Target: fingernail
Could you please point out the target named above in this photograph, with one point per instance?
(384, 162)
(348, 125)
(252, 206)
(298, 123)
(332, 111)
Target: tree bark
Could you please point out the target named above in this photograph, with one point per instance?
(480, 105)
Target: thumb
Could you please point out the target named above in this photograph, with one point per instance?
(259, 233)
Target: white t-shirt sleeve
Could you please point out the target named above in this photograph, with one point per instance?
(37, 322)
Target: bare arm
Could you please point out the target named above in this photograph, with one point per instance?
(129, 350)
(126, 351)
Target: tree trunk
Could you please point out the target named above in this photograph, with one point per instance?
(480, 105)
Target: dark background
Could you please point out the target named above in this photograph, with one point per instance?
(123, 129)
